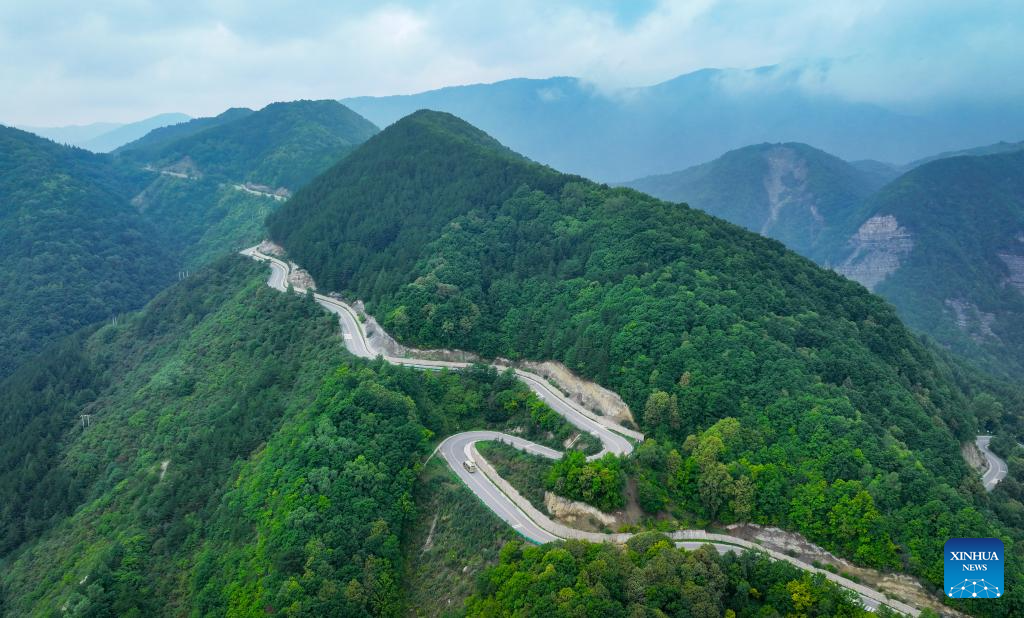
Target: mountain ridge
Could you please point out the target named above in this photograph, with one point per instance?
(621, 134)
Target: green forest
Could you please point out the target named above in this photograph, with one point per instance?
(965, 214)
(650, 577)
(94, 236)
(235, 459)
(791, 394)
(76, 251)
(219, 453)
(281, 145)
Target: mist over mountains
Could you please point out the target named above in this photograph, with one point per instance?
(106, 136)
(618, 135)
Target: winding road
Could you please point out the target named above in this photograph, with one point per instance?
(996, 466)
(503, 499)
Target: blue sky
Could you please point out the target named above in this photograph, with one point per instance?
(67, 61)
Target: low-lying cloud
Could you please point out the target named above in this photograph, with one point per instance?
(70, 61)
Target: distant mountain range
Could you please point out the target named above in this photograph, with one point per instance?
(943, 240)
(105, 136)
(614, 136)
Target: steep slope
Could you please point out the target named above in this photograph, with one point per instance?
(614, 136)
(791, 192)
(234, 460)
(775, 391)
(202, 204)
(945, 244)
(76, 250)
(281, 145)
(148, 146)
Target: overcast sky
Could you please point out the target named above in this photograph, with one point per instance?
(69, 61)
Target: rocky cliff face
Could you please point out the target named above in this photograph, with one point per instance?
(786, 186)
(971, 320)
(1015, 264)
(877, 250)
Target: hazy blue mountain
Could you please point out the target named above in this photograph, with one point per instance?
(997, 148)
(132, 131)
(792, 192)
(569, 124)
(75, 134)
(105, 136)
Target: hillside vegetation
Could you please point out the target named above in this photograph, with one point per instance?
(943, 241)
(235, 459)
(281, 145)
(148, 147)
(76, 251)
(771, 390)
(963, 279)
(651, 577)
(791, 192)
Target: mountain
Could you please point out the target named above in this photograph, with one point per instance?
(105, 136)
(126, 133)
(792, 192)
(940, 242)
(617, 135)
(204, 191)
(74, 135)
(751, 371)
(93, 236)
(997, 148)
(281, 145)
(945, 244)
(234, 460)
(148, 146)
(76, 249)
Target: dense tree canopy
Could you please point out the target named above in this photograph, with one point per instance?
(845, 426)
(650, 577)
(76, 250)
(282, 145)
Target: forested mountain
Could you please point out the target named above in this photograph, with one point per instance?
(617, 135)
(942, 242)
(281, 145)
(235, 460)
(105, 136)
(945, 244)
(771, 390)
(792, 192)
(147, 147)
(76, 250)
(92, 236)
(202, 203)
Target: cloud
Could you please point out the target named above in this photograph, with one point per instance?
(69, 61)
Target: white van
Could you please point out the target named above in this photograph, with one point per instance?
(469, 465)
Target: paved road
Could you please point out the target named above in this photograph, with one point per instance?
(499, 496)
(996, 466)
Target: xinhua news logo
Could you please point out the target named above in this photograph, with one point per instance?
(974, 568)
